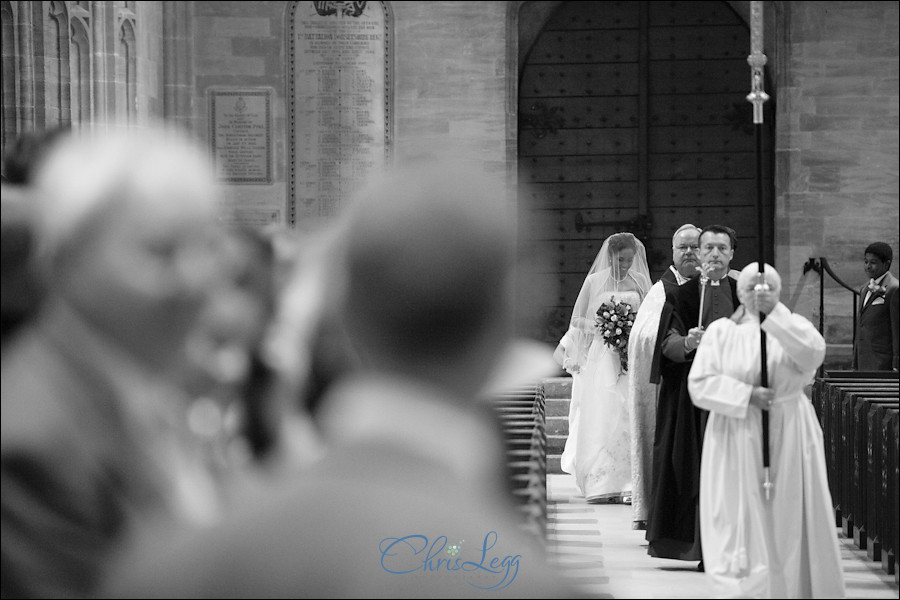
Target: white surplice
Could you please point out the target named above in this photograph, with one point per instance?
(642, 397)
(785, 547)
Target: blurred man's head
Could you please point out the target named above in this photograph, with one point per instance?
(717, 245)
(685, 248)
(21, 292)
(231, 326)
(748, 280)
(429, 255)
(126, 224)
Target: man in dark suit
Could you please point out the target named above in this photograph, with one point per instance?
(672, 525)
(878, 329)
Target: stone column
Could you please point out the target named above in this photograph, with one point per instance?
(103, 26)
(178, 72)
(26, 67)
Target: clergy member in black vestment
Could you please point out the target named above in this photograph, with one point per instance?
(641, 344)
(673, 527)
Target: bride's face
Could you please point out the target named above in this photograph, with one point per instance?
(623, 261)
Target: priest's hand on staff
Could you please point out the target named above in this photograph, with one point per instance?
(766, 300)
(762, 397)
(692, 340)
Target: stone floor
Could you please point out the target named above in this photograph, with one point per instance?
(595, 546)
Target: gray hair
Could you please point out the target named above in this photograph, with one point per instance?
(83, 176)
(685, 227)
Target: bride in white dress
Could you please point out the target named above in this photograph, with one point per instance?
(598, 450)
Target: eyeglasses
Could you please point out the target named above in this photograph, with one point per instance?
(684, 249)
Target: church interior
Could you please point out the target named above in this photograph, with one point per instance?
(580, 120)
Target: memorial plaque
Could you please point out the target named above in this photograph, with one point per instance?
(241, 135)
(255, 217)
(339, 103)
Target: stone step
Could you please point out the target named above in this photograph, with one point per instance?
(557, 426)
(556, 407)
(555, 444)
(553, 465)
(557, 387)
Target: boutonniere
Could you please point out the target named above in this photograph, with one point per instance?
(877, 290)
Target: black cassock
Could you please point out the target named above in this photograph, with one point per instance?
(673, 526)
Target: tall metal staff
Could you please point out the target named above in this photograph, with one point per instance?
(758, 97)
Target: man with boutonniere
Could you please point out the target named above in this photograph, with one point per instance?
(877, 335)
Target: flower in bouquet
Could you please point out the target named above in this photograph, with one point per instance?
(614, 322)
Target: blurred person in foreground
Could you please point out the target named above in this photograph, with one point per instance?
(21, 293)
(93, 428)
(227, 375)
(786, 546)
(641, 392)
(409, 499)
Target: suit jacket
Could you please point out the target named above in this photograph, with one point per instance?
(80, 465)
(409, 491)
(877, 342)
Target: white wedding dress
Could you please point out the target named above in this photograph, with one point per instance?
(598, 449)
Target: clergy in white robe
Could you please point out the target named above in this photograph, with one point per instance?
(641, 391)
(642, 395)
(785, 547)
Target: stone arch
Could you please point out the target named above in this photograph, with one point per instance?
(126, 71)
(80, 65)
(58, 73)
(631, 116)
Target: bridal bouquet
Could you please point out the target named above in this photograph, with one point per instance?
(614, 322)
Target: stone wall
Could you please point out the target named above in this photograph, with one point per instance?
(87, 65)
(836, 97)
(835, 94)
(837, 147)
(451, 88)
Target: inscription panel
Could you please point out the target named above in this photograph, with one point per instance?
(339, 104)
(241, 135)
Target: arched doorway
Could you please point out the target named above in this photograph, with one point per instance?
(632, 117)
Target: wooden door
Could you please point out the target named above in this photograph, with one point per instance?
(632, 117)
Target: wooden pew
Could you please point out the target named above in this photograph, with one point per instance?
(831, 417)
(520, 412)
(859, 479)
(896, 477)
(862, 375)
(886, 519)
(877, 492)
(844, 455)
